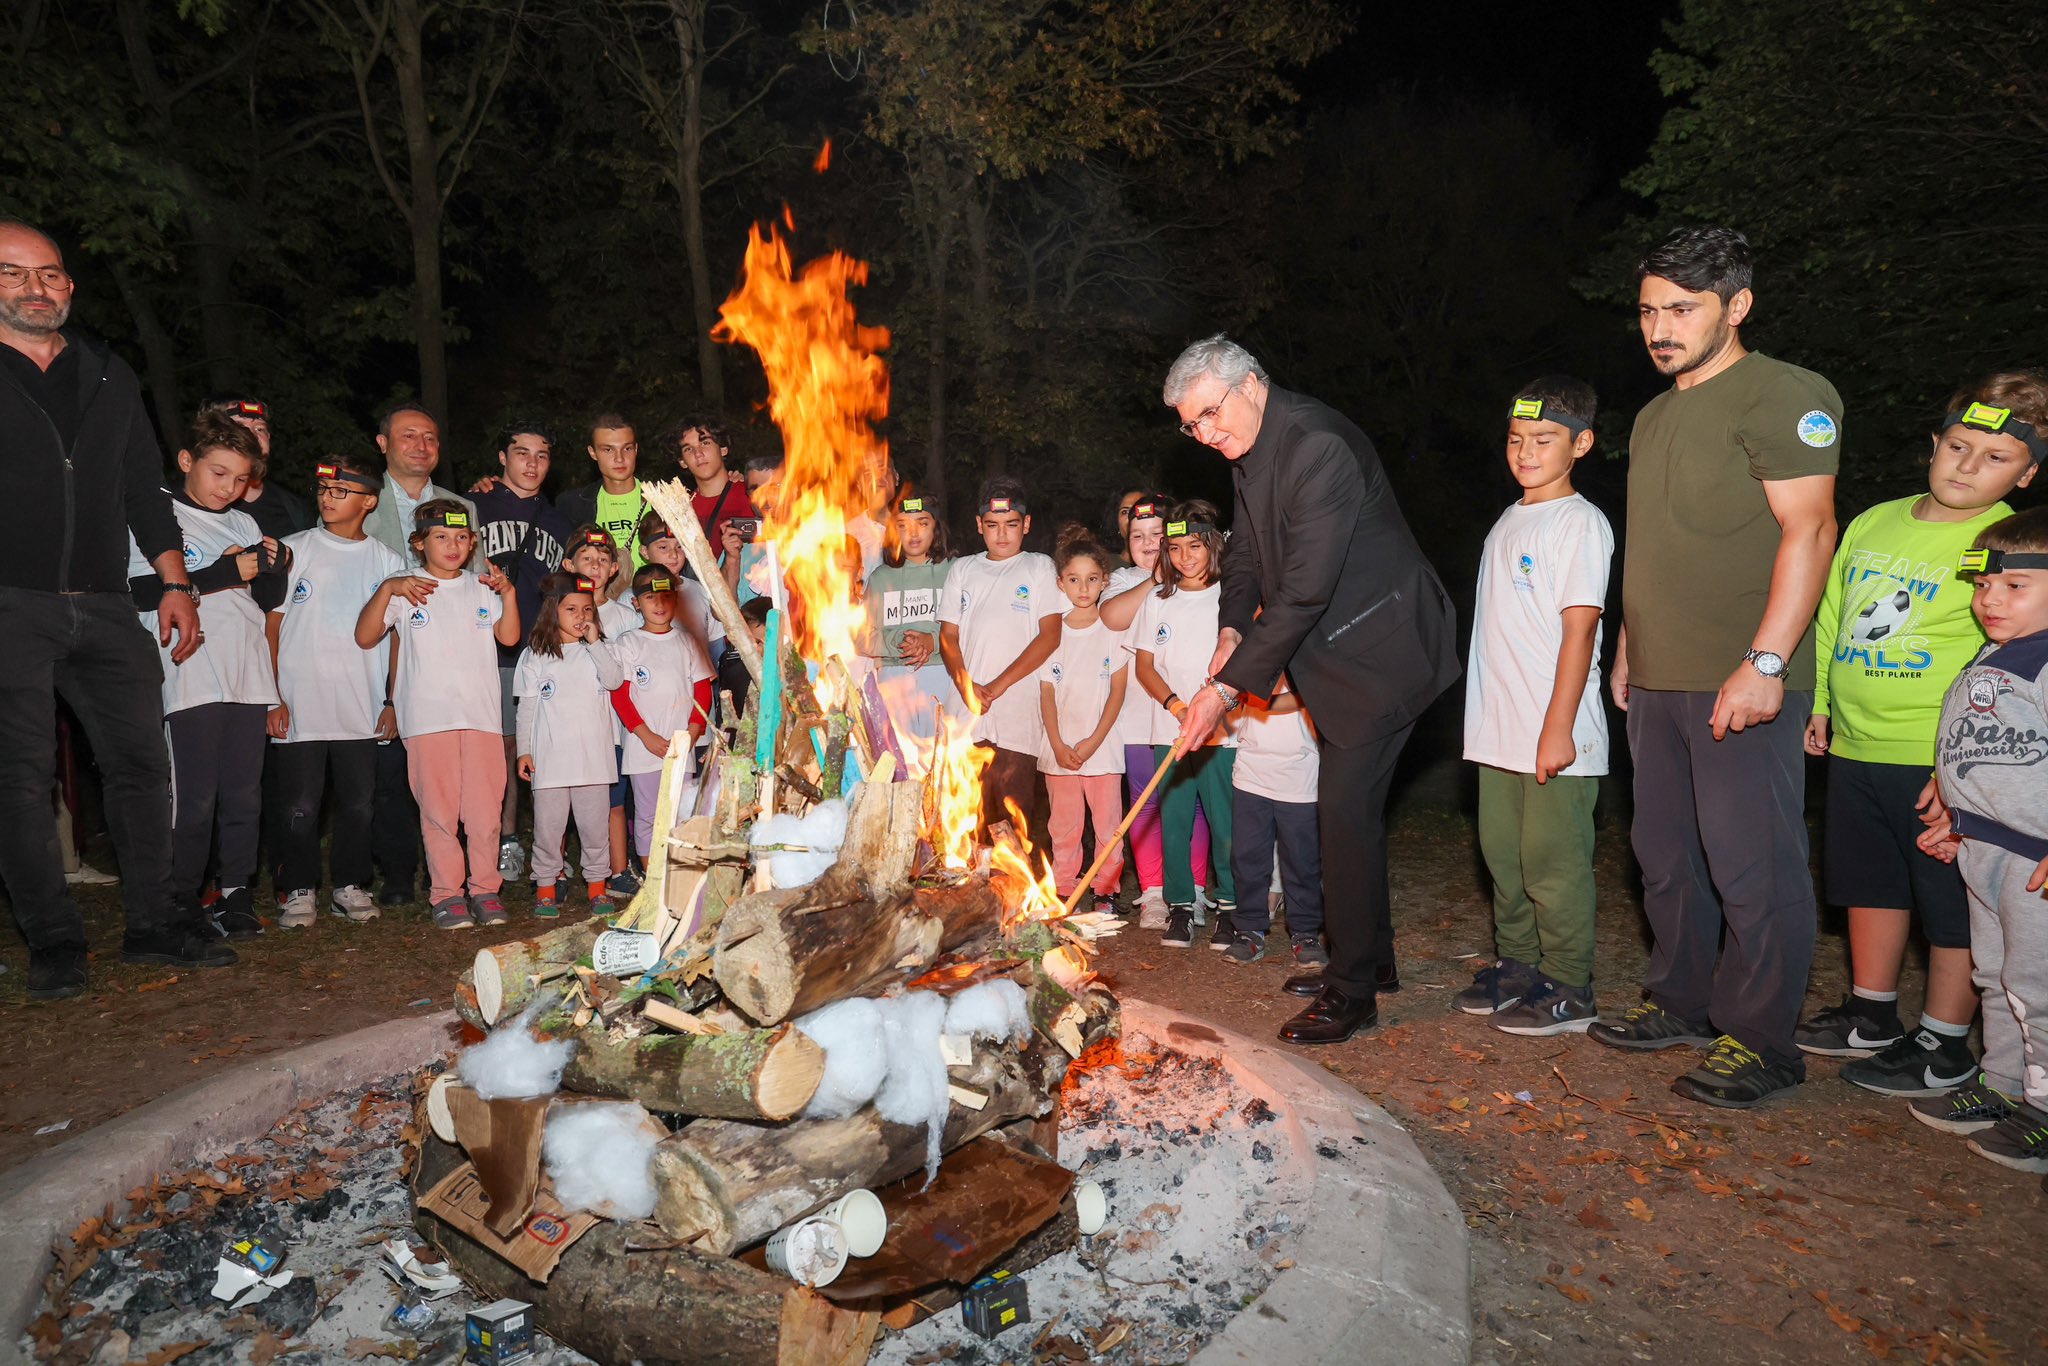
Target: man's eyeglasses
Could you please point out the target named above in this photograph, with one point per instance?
(1207, 417)
(16, 277)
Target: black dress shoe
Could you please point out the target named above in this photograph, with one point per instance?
(56, 973)
(180, 946)
(1331, 1017)
(1307, 984)
(1386, 978)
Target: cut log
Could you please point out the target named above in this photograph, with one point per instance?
(501, 982)
(883, 825)
(760, 1074)
(784, 953)
(672, 500)
(613, 1299)
(1069, 1020)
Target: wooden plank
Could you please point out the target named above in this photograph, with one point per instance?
(671, 498)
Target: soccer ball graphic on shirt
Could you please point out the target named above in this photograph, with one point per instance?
(1882, 618)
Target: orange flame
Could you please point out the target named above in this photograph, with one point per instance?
(824, 161)
(1037, 898)
(953, 794)
(827, 387)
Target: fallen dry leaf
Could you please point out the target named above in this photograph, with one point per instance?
(1591, 1217)
(1638, 1208)
(1577, 1294)
(164, 1355)
(1844, 1320)
(359, 1348)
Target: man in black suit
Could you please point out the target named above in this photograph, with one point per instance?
(1323, 580)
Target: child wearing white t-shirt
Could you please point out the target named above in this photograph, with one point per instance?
(215, 702)
(597, 557)
(1081, 696)
(563, 686)
(446, 624)
(1273, 811)
(335, 698)
(1174, 637)
(1533, 720)
(666, 689)
(999, 622)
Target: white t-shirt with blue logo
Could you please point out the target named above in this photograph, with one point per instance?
(335, 688)
(1540, 558)
(1081, 671)
(661, 677)
(232, 663)
(448, 659)
(998, 606)
(565, 714)
(1180, 632)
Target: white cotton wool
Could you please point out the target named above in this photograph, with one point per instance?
(914, 1091)
(512, 1064)
(821, 830)
(850, 1032)
(993, 1010)
(600, 1158)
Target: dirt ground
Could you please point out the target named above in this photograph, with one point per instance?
(1611, 1221)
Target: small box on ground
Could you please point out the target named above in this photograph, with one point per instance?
(995, 1302)
(499, 1334)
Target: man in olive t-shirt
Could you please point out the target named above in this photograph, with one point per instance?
(1730, 528)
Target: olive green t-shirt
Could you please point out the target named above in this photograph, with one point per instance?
(1701, 537)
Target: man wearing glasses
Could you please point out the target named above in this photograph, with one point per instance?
(80, 473)
(1322, 580)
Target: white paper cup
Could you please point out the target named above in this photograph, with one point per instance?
(1092, 1206)
(624, 953)
(810, 1251)
(861, 1215)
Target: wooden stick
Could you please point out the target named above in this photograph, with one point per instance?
(672, 501)
(1102, 854)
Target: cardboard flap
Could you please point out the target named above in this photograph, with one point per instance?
(535, 1245)
(503, 1140)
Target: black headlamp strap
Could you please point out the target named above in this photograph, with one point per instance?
(1985, 417)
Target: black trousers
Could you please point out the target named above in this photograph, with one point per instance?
(1258, 826)
(216, 788)
(301, 771)
(1011, 776)
(395, 820)
(1720, 832)
(91, 648)
(1351, 808)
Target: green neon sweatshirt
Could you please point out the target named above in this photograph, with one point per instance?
(1894, 628)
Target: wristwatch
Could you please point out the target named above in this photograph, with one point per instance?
(1764, 662)
(187, 589)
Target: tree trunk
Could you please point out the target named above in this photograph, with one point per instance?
(408, 64)
(614, 1301)
(977, 205)
(781, 954)
(760, 1074)
(690, 188)
(159, 355)
(213, 278)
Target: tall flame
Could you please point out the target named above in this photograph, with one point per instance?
(953, 793)
(827, 387)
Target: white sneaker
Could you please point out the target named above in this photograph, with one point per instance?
(298, 910)
(511, 860)
(1152, 909)
(353, 903)
(85, 875)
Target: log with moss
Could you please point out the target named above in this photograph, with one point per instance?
(505, 977)
(766, 1074)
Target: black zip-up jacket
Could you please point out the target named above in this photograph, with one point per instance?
(65, 514)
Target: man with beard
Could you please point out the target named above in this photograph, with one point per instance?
(1731, 525)
(82, 475)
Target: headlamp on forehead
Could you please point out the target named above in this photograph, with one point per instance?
(598, 539)
(1189, 528)
(1142, 511)
(1984, 560)
(1532, 410)
(347, 476)
(911, 505)
(996, 505)
(660, 583)
(1986, 417)
(584, 585)
(456, 520)
(249, 407)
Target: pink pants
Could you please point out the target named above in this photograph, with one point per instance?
(458, 777)
(1074, 799)
(1147, 838)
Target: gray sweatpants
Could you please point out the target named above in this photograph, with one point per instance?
(593, 808)
(2009, 951)
(1720, 832)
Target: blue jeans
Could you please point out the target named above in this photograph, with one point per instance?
(1259, 825)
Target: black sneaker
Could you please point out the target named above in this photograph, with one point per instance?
(394, 894)
(56, 973)
(1965, 1110)
(1180, 927)
(1645, 1027)
(1224, 935)
(1923, 1063)
(1309, 951)
(622, 885)
(1245, 947)
(1496, 987)
(1548, 1008)
(180, 946)
(2019, 1141)
(1854, 1029)
(236, 915)
(1734, 1077)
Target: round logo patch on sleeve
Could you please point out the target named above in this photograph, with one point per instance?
(1818, 429)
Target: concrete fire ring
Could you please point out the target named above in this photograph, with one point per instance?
(1380, 1266)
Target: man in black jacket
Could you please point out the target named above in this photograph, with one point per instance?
(1323, 580)
(79, 472)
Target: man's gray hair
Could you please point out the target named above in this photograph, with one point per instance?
(1218, 356)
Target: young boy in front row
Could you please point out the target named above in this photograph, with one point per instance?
(1533, 720)
(1895, 627)
(336, 698)
(999, 622)
(1989, 813)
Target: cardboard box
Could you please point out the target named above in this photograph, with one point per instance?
(535, 1246)
(499, 1334)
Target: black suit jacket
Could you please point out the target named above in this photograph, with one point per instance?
(1324, 580)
